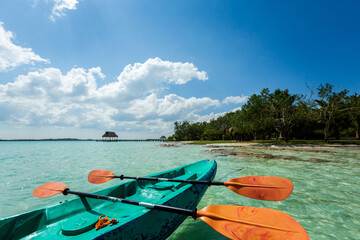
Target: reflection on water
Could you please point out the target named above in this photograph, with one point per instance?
(325, 200)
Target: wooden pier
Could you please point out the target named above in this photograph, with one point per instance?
(113, 137)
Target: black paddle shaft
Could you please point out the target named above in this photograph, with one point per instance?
(171, 180)
(187, 212)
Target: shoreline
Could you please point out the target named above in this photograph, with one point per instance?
(280, 144)
(272, 145)
(45, 139)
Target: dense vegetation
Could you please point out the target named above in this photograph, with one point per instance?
(282, 115)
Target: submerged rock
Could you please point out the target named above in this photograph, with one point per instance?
(241, 153)
(168, 145)
(299, 150)
(290, 158)
(291, 148)
(317, 160)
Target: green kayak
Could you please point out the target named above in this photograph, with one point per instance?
(76, 218)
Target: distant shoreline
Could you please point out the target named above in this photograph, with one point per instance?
(46, 139)
(80, 140)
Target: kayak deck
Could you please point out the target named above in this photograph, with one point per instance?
(76, 218)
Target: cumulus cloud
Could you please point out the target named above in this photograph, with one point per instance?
(171, 107)
(208, 117)
(61, 6)
(153, 76)
(211, 116)
(12, 55)
(47, 97)
(236, 100)
(50, 97)
(236, 109)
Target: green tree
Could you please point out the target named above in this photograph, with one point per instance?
(306, 122)
(212, 134)
(354, 112)
(181, 130)
(186, 131)
(196, 130)
(330, 105)
(238, 125)
(218, 128)
(283, 114)
(281, 106)
(254, 118)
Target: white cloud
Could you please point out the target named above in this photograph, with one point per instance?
(236, 109)
(236, 100)
(12, 55)
(153, 76)
(171, 107)
(207, 118)
(48, 97)
(61, 6)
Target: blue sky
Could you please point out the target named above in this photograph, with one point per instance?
(73, 68)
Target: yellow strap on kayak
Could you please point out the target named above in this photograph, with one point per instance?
(104, 221)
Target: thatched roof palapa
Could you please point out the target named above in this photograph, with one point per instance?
(110, 135)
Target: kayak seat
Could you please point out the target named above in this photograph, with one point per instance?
(146, 189)
(123, 190)
(173, 185)
(85, 221)
(175, 174)
(191, 177)
(164, 186)
(79, 224)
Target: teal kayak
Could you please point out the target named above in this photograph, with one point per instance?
(76, 218)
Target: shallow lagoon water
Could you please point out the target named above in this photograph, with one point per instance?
(325, 200)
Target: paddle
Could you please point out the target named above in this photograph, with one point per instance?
(234, 222)
(258, 187)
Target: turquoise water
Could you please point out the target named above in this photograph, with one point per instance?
(325, 200)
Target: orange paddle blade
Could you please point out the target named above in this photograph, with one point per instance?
(100, 176)
(261, 187)
(49, 189)
(245, 223)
